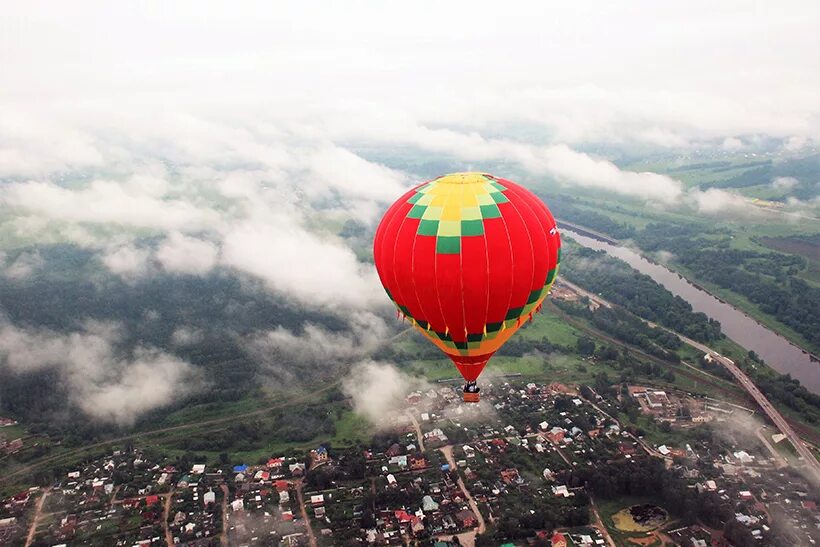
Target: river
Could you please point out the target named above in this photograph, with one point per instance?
(777, 351)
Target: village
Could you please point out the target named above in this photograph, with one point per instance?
(440, 470)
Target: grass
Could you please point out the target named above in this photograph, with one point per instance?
(608, 508)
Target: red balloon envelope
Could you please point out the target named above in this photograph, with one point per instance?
(467, 258)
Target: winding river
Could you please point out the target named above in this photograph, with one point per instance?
(777, 351)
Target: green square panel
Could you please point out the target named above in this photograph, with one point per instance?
(415, 197)
(448, 245)
(428, 228)
(472, 227)
(514, 313)
(417, 211)
(498, 197)
(550, 276)
(490, 211)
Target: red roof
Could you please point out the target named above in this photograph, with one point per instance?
(281, 486)
(403, 516)
(151, 500)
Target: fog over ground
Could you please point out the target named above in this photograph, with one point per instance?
(184, 138)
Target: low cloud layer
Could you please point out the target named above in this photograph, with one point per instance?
(105, 383)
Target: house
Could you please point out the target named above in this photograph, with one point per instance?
(238, 505)
(428, 504)
(198, 469)
(562, 491)
(466, 518)
(393, 451)
(284, 497)
(317, 499)
(416, 525)
(297, 469)
(391, 480)
(151, 500)
(510, 476)
(209, 498)
(401, 461)
(559, 540)
(418, 462)
(320, 455)
(275, 462)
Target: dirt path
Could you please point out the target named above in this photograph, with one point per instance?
(38, 512)
(417, 427)
(778, 457)
(599, 523)
(223, 538)
(466, 538)
(301, 498)
(166, 511)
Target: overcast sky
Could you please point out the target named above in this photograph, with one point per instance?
(652, 71)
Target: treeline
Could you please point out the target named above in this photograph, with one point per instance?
(628, 328)
(768, 279)
(617, 282)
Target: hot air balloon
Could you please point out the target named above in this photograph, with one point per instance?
(467, 258)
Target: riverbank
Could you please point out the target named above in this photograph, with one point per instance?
(776, 350)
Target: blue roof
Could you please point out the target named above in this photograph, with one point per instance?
(445, 467)
(239, 468)
(321, 450)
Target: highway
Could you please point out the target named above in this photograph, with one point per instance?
(745, 382)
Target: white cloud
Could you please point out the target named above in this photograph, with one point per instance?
(300, 265)
(185, 336)
(379, 389)
(127, 261)
(26, 263)
(715, 201)
(106, 202)
(187, 255)
(785, 183)
(104, 384)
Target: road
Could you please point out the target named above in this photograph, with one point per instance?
(166, 510)
(774, 415)
(38, 511)
(311, 538)
(467, 538)
(223, 538)
(599, 523)
(417, 427)
(744, 381)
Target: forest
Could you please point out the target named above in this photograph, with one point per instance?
(768, 279)
(617, 282)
